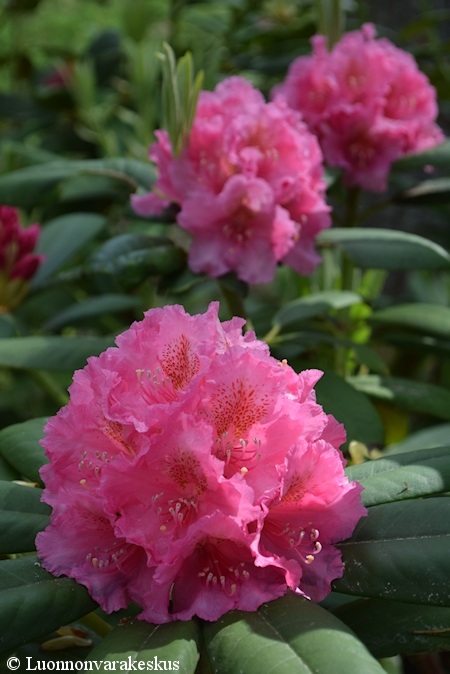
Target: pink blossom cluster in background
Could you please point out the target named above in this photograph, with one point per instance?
(192, 473)
(249, 185)
(366, 101)
(17, 244)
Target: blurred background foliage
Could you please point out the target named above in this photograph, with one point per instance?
(80, 84)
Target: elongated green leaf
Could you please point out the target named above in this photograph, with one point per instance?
(438, 156)
(131, 258)
(50, 353)
(435, 436)
(313, 305)
(431, 319)
(428, 192)
(406, 393)
(34, 603)
(388, 627)
(19, 446)
(408, 475)
(30, 186)
(62, 238)
(289, 635)
(356, 412)
(140, 642)
(22, 516)
(7, 472)
(400, 551)
(386, 248)
(94, 306)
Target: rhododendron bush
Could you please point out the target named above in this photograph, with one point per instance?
(224, 382)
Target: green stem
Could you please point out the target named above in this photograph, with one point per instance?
(50, 386)
(350, 220)
(96, 624)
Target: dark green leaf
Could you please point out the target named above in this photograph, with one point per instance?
(7, 472)
(34, 603)
(22, 516)
(30, 186)
(288, 635)
(50, 353)
(313, 305)
(406, 393)
(93, 306)
(19, 445)
(61, 238)
(435, 436)
(356, 412)
(438, 156)
(8, 325)
(428, 192)
(408, 475)
(400, 551)
(143, 642)
(388, 628)
(131, 258)
(427, 318)
(386, 248)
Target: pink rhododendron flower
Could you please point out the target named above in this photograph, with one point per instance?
(192, 473)
(18, 263)
(366, 101)
(249, 185)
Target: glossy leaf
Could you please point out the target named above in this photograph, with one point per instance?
(408, 475)
(400, 551)
(131, 258)
(50, 353)
(356, 412)
(314, 305)
(434, 436)
(406, 393)
(143, 642)
(34, 603)
(288, 635)
(388, 628)
(19, 446)
(428, 318)
(7, 472)
(62, 237)
(32, 185)
(438, 156)
(385, 248)
(92, 307)
(22, 516)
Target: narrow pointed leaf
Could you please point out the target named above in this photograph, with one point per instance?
(141, 642)
(389, 628)
(406, 476)
(50, 353)
(406, 393)
(22, 516)
(288, 635)
(34, 603)
(19, 446)
(427, 192)
(400, 552)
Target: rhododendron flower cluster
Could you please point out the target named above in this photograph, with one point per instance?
(193, 473)
(366, 101)
(249, 185)
(18, 263)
